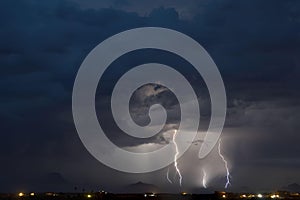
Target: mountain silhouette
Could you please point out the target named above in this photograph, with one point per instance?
(141, 187)
(294, 187)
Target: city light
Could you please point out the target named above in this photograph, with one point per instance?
(89, 196)
(32, 194)
(259, 195)
(149, 195)
(21, 194)
(224, 196)
(274, 196)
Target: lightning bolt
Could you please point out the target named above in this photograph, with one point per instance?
(204, 178)
(168, 177)
(225, 164)
(175, 158)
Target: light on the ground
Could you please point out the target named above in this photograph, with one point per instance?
(259, 195)
(21, 194)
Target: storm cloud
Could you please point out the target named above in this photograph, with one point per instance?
(255, 45)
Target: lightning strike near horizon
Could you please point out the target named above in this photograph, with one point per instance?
(168, 177)
(204, 178)
(225, 164)
(175, 158)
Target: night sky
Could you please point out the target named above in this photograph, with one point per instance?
(254, 43)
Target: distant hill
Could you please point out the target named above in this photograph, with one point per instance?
(53, 181)
(54, 178)
(294, 187)
(141, 187)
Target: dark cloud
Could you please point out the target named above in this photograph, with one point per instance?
(255, 44)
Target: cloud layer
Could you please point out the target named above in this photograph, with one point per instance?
(255, 44)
